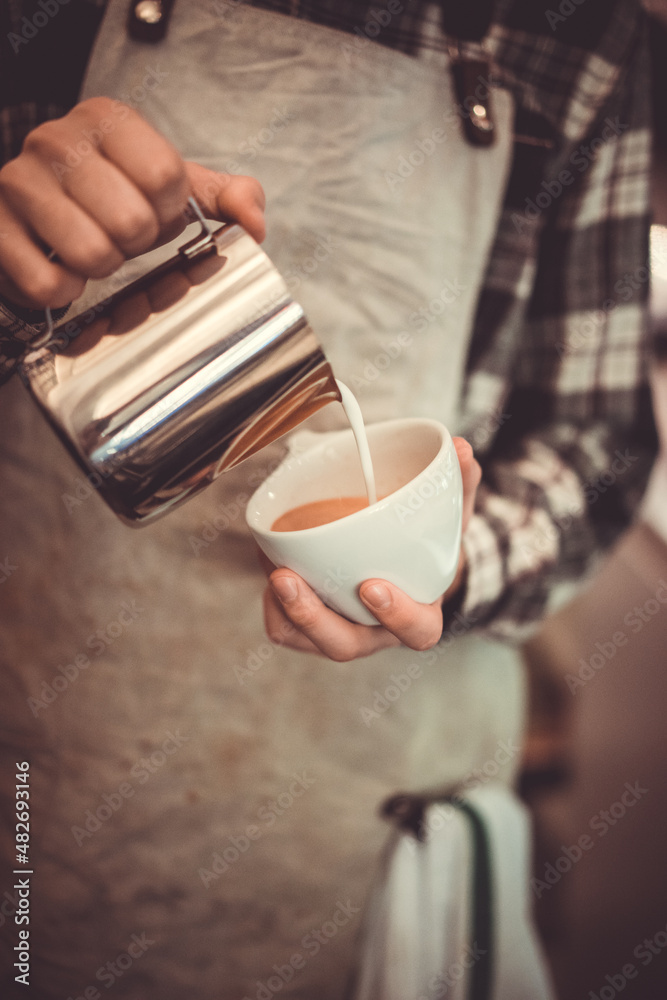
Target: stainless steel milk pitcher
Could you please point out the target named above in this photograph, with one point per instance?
(181, 375)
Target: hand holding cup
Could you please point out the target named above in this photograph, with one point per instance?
(422, 521)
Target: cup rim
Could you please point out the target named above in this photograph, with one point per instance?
(446, 440)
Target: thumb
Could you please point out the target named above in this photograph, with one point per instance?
(229, 198)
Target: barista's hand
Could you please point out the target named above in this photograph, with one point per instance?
(99, 186)
(402, 621)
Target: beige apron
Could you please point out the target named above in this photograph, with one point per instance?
(191, 782)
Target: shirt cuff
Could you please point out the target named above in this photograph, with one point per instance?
(19, 329)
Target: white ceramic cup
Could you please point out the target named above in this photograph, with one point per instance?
(411, 537)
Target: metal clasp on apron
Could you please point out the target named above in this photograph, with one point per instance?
(148, 19)
(473, 92)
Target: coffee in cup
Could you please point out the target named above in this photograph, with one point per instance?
(317, 512)
(411, 537)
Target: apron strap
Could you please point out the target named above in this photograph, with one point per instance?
(469, 23)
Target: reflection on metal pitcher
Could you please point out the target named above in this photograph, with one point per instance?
(181, 375)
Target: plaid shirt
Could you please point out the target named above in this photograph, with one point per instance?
(555, 399)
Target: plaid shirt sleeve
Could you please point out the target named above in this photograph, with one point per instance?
(19, 328)
(557, 404)
(40, 71)
(16, 337)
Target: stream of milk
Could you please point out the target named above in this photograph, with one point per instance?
(353, 414)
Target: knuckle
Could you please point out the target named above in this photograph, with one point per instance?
(398, 621)
(135, 227)
(96, 258)
(94, 107)
(303, 616)
(42, 286)
(43, 139)
(422, 643)
(10, 179)
(16, 186)
(166, 172)
(341, 656)
(251, 188)
(351, 648)
(274, 633)
(9, 172)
